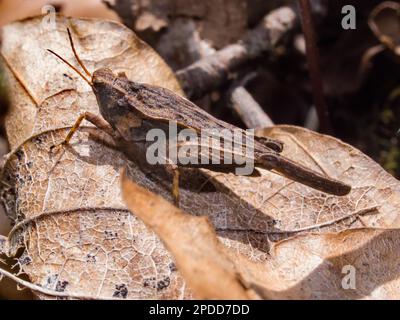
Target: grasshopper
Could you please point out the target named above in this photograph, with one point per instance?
(130, 109)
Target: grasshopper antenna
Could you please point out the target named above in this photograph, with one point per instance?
(76, 55)
(71, 66)
(77, 59)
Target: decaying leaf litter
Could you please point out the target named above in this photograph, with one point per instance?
(89, 246)
(304, 267)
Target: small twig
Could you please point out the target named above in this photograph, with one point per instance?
(249, 111)
(210, 72)
(314, 66)
(3, 245)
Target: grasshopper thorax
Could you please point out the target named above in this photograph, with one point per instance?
(109, 93)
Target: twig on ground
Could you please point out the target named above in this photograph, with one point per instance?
(314, 66)
(210, 72)
(3, 245)
(249, 111)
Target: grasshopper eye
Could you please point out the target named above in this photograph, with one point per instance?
(96, 80)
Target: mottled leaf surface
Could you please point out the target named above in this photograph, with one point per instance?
(352, 264)
(191, 240)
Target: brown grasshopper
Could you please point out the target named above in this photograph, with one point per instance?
(130, 109)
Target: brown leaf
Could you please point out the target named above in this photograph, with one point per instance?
(304, 267)
(384, 22)
(310, 266)
(78, 237)
(3, 245)
(321, 266)
(45, 86)
(199, 256)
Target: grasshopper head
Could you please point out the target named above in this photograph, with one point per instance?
(102, 77)
(104, 83)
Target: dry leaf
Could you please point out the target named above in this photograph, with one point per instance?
(56, 88)
(384, 22)
(321, 266)
(304, 267)
(78, 237)
(352, 264)
(198, 254)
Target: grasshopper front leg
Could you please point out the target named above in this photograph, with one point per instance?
(175, 187)
(174, 170)
(96, 120)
